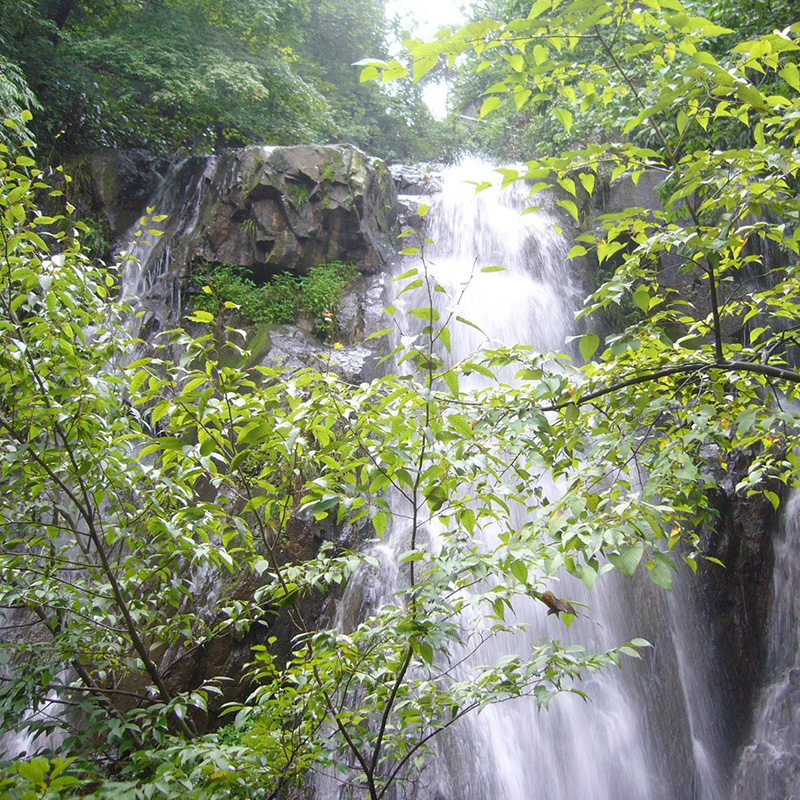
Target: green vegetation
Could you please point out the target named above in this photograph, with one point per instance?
(129, 479)
(321, 292)
(527, 126)
(192, 75)
(125, 487)
(317, 295)
(274, 303)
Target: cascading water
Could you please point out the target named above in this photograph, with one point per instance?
(645, 733)
(770, 767)
(179, 199)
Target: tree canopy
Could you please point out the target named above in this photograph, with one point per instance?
(189, 75)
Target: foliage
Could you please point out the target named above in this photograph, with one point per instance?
(274, 303)
(519, 130)
(317, 294)
(687, 376)
(168, 78)
(16, 102)
(121, 477)
(129, 483)
(322, 290)
(190, 75)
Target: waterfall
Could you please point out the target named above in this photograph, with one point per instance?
(154, 248)
(770, 766)
(647, 731)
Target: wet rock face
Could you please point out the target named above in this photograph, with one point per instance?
(770, 768)
(268, 209)
(738, 597)
(415, 185)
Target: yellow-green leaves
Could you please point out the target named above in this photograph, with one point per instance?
(539, 7)
(791, 75)
(369, 73)
(201, 316)
(641, 298)
(571, 207)
(588, 345)
(489, 104)
(564, 116)
(516, 62)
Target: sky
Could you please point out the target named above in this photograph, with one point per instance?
(430, 15)
(425, 17)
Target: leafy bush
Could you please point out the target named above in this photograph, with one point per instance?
(278, 301)
(273, 303)
(322, 290)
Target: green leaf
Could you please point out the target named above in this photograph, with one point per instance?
(587, 180)
(254, 433)
(791, 75)
(489, 104)
(588, 345)
(660, 571)
(424, 650)
(520, 571)
(379, 523)
(201, 316)
(570, 206)
(564, 116)
(516, 62)
(451, 379)
(34, 770)
(577, 251)
(380, 334)
(425, 313)
(641, 298)
(422, 65)
(409, 273)
(628, 558)
(773, 498)
(750, 95)
(539, 7)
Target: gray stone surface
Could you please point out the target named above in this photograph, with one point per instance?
(269, 209)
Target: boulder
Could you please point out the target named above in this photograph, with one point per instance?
(122, 181)
(268, 209)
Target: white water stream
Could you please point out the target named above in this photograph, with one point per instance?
(648, 731)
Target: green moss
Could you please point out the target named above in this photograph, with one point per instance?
(297, 192)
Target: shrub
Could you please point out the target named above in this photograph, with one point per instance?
(316, 294)
(322, 291)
